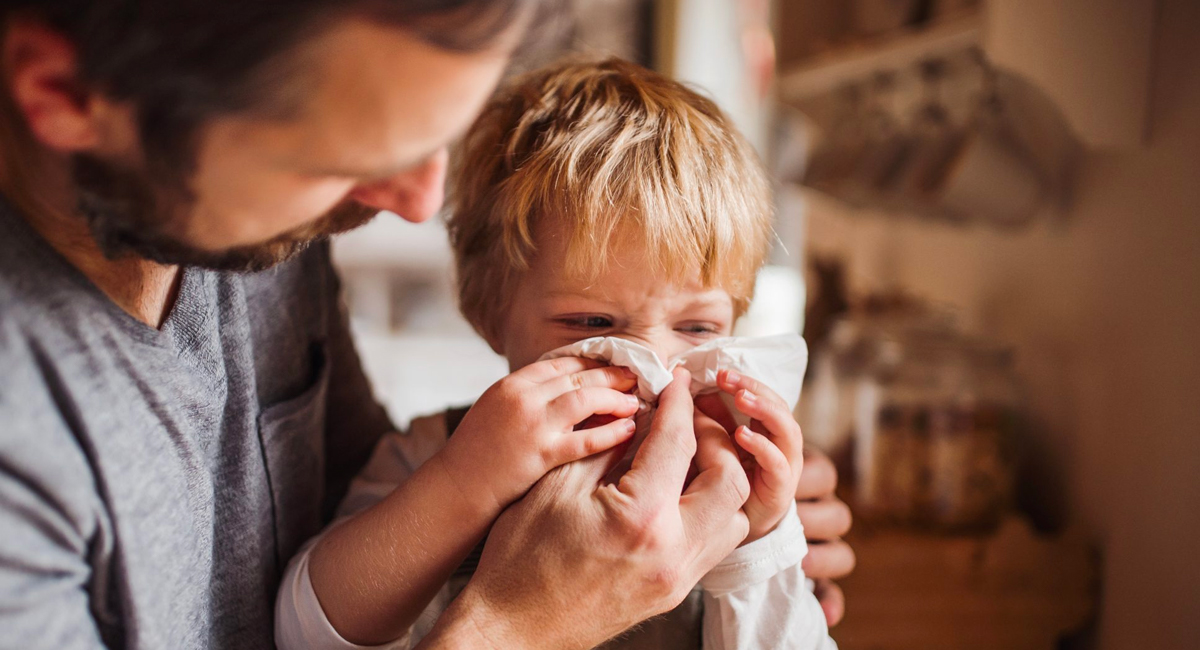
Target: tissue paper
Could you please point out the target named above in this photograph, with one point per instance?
(776, 361)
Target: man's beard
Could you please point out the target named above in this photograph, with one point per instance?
(127, 215)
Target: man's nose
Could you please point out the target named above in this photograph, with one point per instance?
(416, 194)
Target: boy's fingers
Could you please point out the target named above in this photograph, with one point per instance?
(576, 406)
(775, 418)
(732, 382)
(543, 371)
(661, 463)
(775, 470)
(614, 377)
(587, 442)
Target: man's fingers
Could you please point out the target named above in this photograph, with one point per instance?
(661, 463)
(716, 530)
(713, 443)
(711, 405)
(832, 560)
(593, 471)
(824, 519)
(721, 486)
(576, 406)
(833, 601)
(819, 479)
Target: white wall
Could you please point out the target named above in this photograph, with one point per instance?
(1104, 306)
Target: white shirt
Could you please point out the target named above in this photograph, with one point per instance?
(756, 598)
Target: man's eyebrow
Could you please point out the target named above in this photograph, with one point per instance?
(381, 172)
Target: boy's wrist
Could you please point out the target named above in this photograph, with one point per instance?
(466, 485)
(761, 530)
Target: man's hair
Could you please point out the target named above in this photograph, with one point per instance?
(607, 150)
(181, 63)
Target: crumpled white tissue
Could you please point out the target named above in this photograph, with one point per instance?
(776, 361)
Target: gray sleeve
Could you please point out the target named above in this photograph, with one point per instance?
(355, 421)
(49, 528)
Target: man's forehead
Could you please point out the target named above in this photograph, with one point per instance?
(379, 99)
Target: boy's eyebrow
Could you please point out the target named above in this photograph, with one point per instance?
(566, 293)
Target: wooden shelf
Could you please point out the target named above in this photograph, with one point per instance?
(1055, 48)
(828, 71)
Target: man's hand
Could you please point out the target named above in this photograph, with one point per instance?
(524, 426)
(826, 519)
(580, 559)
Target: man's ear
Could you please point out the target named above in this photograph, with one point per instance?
(41, 69)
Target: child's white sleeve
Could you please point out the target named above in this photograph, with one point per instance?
(300, 622)
(759, 599)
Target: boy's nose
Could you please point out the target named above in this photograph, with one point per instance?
(661, 346)
(415, 194)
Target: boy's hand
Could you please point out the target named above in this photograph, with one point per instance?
(524, 426)
(775, 447)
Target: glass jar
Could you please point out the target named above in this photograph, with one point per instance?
(933, 434)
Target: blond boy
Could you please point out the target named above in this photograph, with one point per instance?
(592, 199)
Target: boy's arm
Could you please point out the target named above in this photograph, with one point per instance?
(437, 533)
(758, 597)
(376, 571)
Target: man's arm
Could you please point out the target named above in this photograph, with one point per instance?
(49, 518)
(44, 574)
(607, 554)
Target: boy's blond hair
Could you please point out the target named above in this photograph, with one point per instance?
(608, 150)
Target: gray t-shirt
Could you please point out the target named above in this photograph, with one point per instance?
(154, 483)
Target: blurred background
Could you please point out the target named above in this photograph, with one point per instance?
(989, 234)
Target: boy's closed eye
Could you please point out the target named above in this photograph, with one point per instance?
(585, 321)
(699, 329)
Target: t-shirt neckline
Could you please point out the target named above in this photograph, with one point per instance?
(58, 266)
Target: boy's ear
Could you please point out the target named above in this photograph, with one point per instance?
(494, 341)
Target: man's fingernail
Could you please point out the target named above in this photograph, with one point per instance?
(633, 401)
(732, 377)
(750, 398)
(630, 425)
